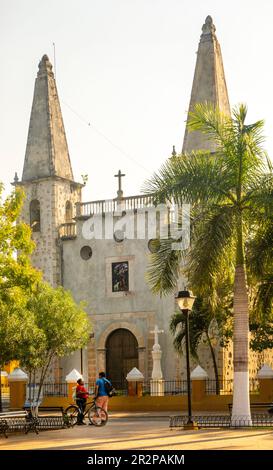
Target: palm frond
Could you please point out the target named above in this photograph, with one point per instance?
(164, 268)
(212, 247)
(193, 178)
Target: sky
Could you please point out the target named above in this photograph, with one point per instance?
(124, 71)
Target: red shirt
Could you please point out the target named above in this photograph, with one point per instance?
(81, 392)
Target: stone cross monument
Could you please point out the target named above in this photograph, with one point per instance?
(157, 383)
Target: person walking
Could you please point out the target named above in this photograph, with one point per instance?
(81, 396)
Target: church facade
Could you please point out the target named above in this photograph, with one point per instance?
(108, 273)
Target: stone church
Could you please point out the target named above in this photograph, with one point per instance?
(108, 274)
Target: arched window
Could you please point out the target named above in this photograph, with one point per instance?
(68, 211)
(35, 220)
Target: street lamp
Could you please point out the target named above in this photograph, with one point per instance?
(185, 301)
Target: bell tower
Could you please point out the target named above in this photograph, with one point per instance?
(47, 180)
(209, 84)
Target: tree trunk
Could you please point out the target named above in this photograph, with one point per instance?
(215, 367)
(241, 406)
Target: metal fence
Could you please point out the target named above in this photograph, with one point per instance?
(224, 421)
(170, 387)
(48, 390)
(225, 387)
(55, 389)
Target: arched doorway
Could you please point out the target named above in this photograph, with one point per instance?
(121, 355)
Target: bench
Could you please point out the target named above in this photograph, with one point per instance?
(49, 421)
(17, 420)
(256, 405)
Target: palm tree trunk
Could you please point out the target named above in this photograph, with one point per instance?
(241, 406)
(215, 367)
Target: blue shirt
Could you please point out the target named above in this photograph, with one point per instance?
(101, 384)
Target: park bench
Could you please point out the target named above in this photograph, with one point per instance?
(49, 421)
(268, 406)
(17, 421)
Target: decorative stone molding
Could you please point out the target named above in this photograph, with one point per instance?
(121, 324)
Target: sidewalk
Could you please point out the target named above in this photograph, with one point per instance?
(138, 432)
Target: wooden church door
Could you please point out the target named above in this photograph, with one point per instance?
(121, 355)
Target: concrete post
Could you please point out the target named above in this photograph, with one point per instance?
(198, 380)
(265, 376)
(135, 381)
(17, 383)
(71, 380)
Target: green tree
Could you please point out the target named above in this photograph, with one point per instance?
(63, 325)
(15, 248)
(228, 189)
(17, 278)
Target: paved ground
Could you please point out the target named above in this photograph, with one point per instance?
(140, 432)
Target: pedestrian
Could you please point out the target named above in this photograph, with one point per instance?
(101, 393)
(81, 396)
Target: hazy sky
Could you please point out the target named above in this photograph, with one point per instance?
(126, 67)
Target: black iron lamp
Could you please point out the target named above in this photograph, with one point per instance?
(185, 301)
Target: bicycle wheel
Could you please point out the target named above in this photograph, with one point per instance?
(72, 412)
(97, 416)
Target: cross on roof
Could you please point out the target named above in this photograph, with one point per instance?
(119, 176)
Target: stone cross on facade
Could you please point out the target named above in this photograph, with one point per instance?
(119, 176)
(156, 332)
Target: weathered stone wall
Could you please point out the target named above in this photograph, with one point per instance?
(52, 194)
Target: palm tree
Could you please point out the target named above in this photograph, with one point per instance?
(228, 190)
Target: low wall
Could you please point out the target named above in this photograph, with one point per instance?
(166, 403)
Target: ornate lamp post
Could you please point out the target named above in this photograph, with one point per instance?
(185, 301)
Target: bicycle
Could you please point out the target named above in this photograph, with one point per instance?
(96, 415)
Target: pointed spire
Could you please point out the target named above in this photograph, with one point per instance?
(209, 84)
(47, 151)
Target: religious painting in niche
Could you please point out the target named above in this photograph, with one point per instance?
(120, 276)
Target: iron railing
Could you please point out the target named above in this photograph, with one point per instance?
(169, 387)
(55, 390)
(224, 421)
(225, 387)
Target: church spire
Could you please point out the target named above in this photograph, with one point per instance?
(209, 84)
(47, 151)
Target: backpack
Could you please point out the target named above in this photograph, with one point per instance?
(109, 388)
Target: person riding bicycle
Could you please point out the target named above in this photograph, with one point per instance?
(81, 396)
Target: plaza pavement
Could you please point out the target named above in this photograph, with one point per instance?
(139, 432)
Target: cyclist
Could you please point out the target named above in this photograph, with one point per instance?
(81, 396)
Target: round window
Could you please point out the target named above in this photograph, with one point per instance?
(86, 252)
(154, 245)
(119, 236)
